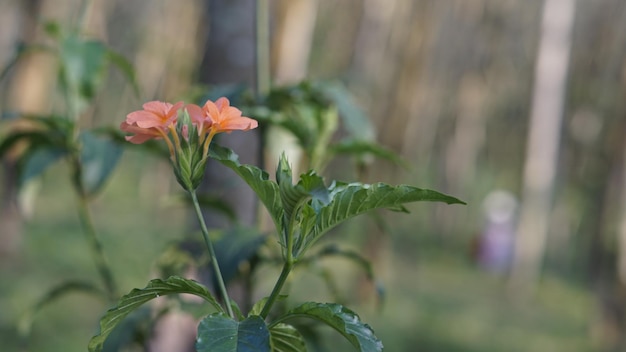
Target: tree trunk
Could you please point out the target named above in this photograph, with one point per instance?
(543, 141)
(27, 91)
(295, 24)
(235, 64)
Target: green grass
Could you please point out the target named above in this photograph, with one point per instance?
(441, 303)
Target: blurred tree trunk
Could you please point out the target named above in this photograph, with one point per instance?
(230, 59)
(26, 92)
(602, 186)
(295, 24)
(543, 141)
(621, 261)
(389, 58)
(291, 48)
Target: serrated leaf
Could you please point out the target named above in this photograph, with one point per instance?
(257, 179)
(340, 318)
(349, 200)
(219, 333)
(286, 338)
(137, 297)
(54, 294)
(313, 185)
(135, 329)
(291, 196)
(99, 157)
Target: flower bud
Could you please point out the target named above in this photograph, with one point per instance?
(189, 162)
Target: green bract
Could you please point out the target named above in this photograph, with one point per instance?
(189, 163)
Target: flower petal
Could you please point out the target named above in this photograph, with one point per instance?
(195, 113)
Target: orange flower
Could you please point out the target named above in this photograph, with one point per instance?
(191, 134)
(226, 118)
(153, 121)
(217, 117)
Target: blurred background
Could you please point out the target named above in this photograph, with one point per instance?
(516, 107)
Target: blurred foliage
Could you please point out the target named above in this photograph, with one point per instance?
(418, 68)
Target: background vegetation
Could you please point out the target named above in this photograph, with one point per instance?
(449, 86)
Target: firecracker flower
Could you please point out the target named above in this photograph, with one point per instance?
(191, 132)
(217, 117)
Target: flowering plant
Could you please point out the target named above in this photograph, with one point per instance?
(302, 213)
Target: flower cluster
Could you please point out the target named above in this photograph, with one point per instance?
(188, 131)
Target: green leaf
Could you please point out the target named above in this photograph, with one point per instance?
(354, 256)
(137, 297)
(257, 179)
(258, 306)
(237, 245)
(59, 125)
(285, 338)
(311, 261)
(53, 29)
(354, 119)
(135, 329)
(349, 200)
(313, 185)
(99, 156)
(44, 145)
(219, 333)
(340, 318)
(82, 66)
(291, 196)
(125, 66)
(54, 294)
(52, 132)
(361, 148)
(37, 161)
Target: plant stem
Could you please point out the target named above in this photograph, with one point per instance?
(96, 249)
(90, 234)
(289, 262)
(262, 49)
(213, 259)
(277, 288)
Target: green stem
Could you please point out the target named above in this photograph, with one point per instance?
(277, 288)
(289, 262)
(213, 259)
(89, 230)
(262, 48)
